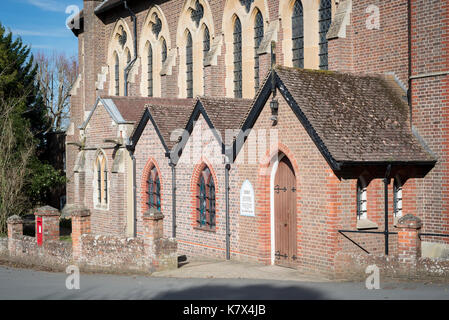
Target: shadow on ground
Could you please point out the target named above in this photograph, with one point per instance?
(203, 292)
(250, 292)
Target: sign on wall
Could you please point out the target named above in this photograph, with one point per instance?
(247, 207)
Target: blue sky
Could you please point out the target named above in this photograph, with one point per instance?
(41, 24)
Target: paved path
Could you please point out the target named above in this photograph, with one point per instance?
(29, 284)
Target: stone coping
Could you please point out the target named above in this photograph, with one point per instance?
(47, 211)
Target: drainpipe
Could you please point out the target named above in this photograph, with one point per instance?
(386, 183)
(131, 63)
(133, 158)
(173, 192)
(228, 232)
(409, 92)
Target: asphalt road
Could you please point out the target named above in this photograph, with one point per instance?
(30, 284)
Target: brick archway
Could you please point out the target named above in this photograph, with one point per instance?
(143, 185)
(264, 202)
(194, 190)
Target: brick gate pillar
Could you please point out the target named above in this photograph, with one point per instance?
(160, 252)
(409, 244)
(153, 224)
(15, 232)
(50, 223)
(80, 226)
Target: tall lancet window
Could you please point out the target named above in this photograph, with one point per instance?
(164, 51)
(206, 49)
(189, 65)
(150, 70)
(325, 18)
(117, 75)
(298, 35)
(237, 58)
(102, 180)
(258, 36)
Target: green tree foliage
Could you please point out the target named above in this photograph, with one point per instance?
(22, 106)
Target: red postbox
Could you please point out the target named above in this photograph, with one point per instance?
(39, 230)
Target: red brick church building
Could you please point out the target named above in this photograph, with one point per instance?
(262, 129)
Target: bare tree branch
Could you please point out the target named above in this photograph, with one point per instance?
(55, 76)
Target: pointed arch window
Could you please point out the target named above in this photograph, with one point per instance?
(206, 200)
(258, 36)
(206, 49)
(325, 18)
(154, 189)
(117, 75)
(102, 180)
(237, 58)
(298, 34)
(189, 65)
(150, 70)
(164, 51)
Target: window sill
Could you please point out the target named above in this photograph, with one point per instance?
(100, 207)
(365, 224)
(396, 219)
(205, 229)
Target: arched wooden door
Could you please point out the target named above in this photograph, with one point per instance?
(285, 214)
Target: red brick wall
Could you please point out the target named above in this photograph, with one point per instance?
(113, 219)
(430, 98)
(149, 152)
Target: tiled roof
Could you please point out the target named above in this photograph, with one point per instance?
(358, 118)
(171, 120)
(132, 108)
(226, 113)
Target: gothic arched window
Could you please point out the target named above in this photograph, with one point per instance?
(164, 51)
(258, 36)
(117, 75)
(206, 48)
(325, 18)
(102, 179)
(206, 200)
(154, 189)
(298, 34)
(189, 65)
(150, 70)
(237, 58)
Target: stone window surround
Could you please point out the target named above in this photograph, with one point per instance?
(99, 158)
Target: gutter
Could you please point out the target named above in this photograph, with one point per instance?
(131, 63)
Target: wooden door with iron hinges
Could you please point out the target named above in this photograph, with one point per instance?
(285, 214)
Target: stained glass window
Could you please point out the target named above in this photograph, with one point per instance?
(325, 19)
(298, 35)
(117, 75)
(237, 58)
(150, 70)
(206, 200)
(189, 65)
(154, 189)
(258, 36)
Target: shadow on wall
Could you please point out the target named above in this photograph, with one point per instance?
(29, 226)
